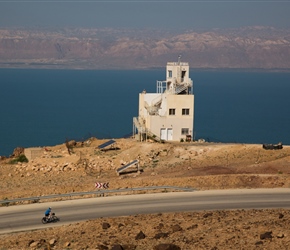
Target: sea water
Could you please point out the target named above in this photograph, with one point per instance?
(48, 107)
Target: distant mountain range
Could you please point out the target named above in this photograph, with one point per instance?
(241, 48)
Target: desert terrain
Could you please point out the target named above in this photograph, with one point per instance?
(77, 166)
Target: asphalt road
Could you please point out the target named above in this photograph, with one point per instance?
(28, 217)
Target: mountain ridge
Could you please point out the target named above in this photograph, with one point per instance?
(80, 48)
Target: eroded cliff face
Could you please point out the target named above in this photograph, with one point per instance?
(250, 47)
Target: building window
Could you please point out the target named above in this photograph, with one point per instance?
(185, 111)
(171, 111)
(169, 73)
(183, 73)
(184, 131)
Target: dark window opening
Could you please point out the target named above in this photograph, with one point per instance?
(184, 131)
(171, 111)
(185, 111)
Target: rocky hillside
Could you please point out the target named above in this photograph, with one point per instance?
(202, 166)
(249, 47)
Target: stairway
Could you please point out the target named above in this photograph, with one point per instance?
(141, 129)
(155, 106)
(180, 88)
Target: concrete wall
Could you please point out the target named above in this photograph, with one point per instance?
(32, 153)
(175, 122)
(164, 120)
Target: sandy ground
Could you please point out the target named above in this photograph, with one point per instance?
(202, 166)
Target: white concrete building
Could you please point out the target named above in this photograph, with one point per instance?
(167, 114)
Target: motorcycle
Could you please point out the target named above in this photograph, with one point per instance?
(53, 218)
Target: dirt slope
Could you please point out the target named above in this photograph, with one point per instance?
(198, 165)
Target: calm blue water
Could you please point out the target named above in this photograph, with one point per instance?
(46, 107)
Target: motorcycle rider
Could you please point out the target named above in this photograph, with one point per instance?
(47, 213)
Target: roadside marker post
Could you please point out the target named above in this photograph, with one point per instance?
(102, 185)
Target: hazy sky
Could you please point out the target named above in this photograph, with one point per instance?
(179, 14)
